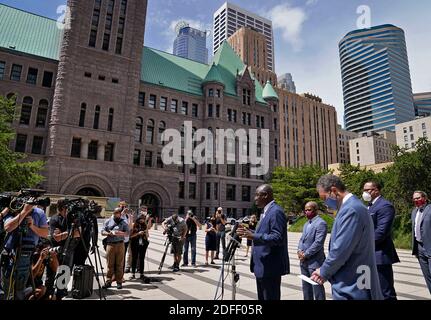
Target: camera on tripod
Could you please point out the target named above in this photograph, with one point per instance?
(169, 232)
(15, 201)
(81, 211)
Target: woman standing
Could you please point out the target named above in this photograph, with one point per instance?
(251, 226)
(210, 238)
(139, 244)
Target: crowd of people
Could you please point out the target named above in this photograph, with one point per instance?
(359, 264)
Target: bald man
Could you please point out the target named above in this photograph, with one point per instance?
(311, 252)
(270, 259)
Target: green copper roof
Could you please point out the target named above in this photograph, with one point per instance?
(32, 34)
(213, 75)
(29, 33)
(269, 92)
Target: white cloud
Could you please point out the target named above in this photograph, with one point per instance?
(290, 21)
(311, 2)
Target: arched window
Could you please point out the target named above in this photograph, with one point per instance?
(82, 115)
(96, 118)
(138, 130)
(27, 104)
(150, 132)
(162, 128)
(42, 113)
(110, 119)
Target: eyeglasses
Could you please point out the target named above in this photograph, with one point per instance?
(308, 210)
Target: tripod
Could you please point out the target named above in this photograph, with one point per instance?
(71, 245)
(168, 242)
(229, 258)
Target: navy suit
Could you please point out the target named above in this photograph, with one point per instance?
(312, 244)
(382, 213)
(351, 263)
(270, 258)
(423, 250)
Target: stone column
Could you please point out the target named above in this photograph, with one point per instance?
(84, 149)
(101, 152)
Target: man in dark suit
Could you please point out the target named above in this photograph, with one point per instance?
(421, 232)
(351, 262)
(383, 214)
(311, 250)
(270, 259)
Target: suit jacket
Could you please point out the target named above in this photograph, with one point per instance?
(351, 251)
(382, 213)
(425, 230)
(270, 256)
(312, 242)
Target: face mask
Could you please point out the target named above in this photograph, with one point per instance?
(117, 220)
(420, 203)
(332, 203)
(367, 197)
(310, 214)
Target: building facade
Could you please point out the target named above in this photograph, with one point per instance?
(250, 46)
(285, 81)
(422, 104)
(229, 18)
(376, 79)
(191, 43)
(372, 149)
(409, 133)
(344, 138)
(94, 103)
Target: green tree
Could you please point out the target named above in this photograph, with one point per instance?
(354, 178)
(294, 187)
(15, 173)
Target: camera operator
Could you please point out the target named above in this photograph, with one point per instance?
(115, 229)
(221, 231)
(139, 244)
(27, 228)
(192, 227)
(127, 215)
(178, 227)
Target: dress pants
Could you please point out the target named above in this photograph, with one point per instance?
(386, 278)
(269, 288)
(425, 263)
(311, 292)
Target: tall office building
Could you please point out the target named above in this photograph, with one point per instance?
(191, 43)
(229, 18)
(422, 104)
(286, 82)
(250, 46)
(344, 138)
(376, 79)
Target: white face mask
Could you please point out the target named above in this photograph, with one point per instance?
(367, 197)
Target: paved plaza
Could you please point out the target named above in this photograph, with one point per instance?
(200, 283)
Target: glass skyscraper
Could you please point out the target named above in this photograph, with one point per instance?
(191, 43)
(376, 79)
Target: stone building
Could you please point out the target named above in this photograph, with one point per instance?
(93, 103)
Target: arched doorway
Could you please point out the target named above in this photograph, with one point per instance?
(89, 192)
(152, 202)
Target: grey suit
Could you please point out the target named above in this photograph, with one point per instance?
(312, 244)
(422, 250)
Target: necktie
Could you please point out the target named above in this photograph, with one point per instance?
(418, 225)
(370, 204)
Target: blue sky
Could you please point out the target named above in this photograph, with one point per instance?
(307, 33)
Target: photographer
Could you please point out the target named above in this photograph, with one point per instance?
(139, 244)
(27, 228)
(221, 231)
(115, 229)
(192, 227)
(176, 228)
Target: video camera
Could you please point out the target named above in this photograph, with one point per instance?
(15, 201)
(81, 211)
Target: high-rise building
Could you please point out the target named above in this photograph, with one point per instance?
(422, 104)
(344, 138)
(229, 18)
(372, 148)
(285, 81)
(408, 133)
(250, 46)
(190, 43)
(376, 79)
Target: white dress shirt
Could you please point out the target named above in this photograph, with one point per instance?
(266, 209)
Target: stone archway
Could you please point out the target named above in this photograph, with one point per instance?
(88, 182)
(152, 202)
(90, 191)
(157, 191)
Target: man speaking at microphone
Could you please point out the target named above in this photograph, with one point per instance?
(270, 258)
